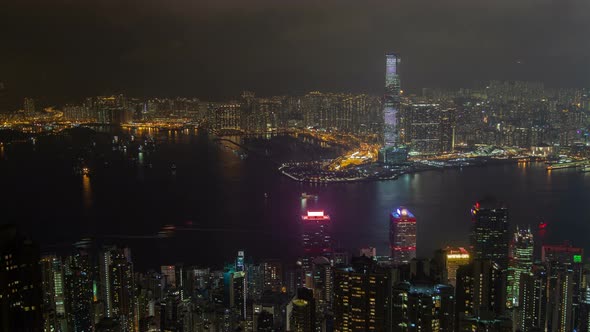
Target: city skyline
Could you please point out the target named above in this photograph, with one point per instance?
(297, 46)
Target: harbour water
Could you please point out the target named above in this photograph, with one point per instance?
(220, 203)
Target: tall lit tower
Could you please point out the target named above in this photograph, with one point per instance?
(522, 247)
(317, 239)
(391, 99)
(402, 236)
(490, 237)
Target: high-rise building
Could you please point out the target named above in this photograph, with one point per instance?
(20, 282)
(455, 257)
(79, 291)
(424, 127)
(53, 293)
(521, 262)
(423, 306)
(402, 236)
(489, 237)
(29, 107)
(564, 279)
(362, 297)
(301, 312)
(480, 290)
(235, 291)
(391, 100)
(168, 275)
(531, 312)
(122, 290)
(317, 237)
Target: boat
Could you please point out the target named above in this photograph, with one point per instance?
(585, 168)
(308, 196)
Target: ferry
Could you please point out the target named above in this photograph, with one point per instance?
(308, 196)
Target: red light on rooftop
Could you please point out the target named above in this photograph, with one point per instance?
(315, 213)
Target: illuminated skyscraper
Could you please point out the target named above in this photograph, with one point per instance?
(53, 293)
(564, 278)
(317, 239)
(122, 290)
(489, 237)
(391, 100)
(455, 257)
(29, 107)
(362, 297)
(417, 306)
(480, 294)
(402, 236)
(521, 263)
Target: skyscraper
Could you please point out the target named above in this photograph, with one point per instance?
(455, 257)
(402, 236)
(122, 290)
(489, 237)
(317, 239)
(522, 247)
(422, 305)
(53, 293)
(479, 292)
(20, 282)
(362, 297)
(391, 100)
(29, 107)
(564, 278)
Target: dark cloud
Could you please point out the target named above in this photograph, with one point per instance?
(213, 49)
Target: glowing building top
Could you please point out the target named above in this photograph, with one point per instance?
(402, 236)
(315, 215)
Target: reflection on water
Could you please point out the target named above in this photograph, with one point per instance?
(1, 151)
(86, 191)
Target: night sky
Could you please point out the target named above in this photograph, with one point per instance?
(63, 50)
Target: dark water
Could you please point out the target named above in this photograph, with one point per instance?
(213, 190)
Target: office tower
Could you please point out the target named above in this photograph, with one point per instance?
(79, 291)
(52, 276)
(168, 276)
(234, 290)
(362, 297)
(391, 100)
(402, 236)
(301, 312)
(29, 107)
(225, 116)
(322, 282)
(489, 235)
(423, 306)
(531, 312)
(479, 290)
(317, 238)
(564, 279)
(122, 290)
(522, 247)
(424, 128)
(20, 282)
(273, 274)
(584, 320)
(454, 258)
